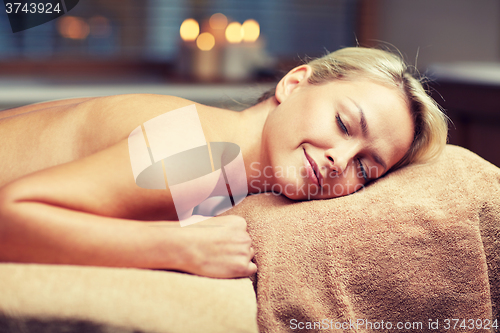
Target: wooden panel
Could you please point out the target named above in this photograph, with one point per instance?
(475, 112)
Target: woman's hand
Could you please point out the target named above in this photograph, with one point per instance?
(218, 247)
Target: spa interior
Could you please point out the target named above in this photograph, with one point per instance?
(226, 53)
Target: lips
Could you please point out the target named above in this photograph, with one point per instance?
(316, 175)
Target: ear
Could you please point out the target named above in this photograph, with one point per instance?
(291, 81)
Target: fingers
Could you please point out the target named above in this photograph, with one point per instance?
(247, 269)
(252, 268)
(243, 266)
(222, 252)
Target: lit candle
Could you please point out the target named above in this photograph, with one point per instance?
(189, 31)
(207, 55)
(243, 50)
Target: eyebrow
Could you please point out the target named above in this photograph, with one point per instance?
(364, 128)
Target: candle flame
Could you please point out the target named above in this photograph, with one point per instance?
(234, 33)
(205, 41)
(218, 21)
(73, 27)
(190, 29)
(251, 30)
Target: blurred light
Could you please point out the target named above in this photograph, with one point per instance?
(251, 30)
(189, 29)
(205, 41)
(218, 21)
(73, 27)
(234, 32)
(99, 26)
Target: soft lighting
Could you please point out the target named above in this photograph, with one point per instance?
(234, 33)
(251, 30)
(205, 41)
(99, 26)
(218, 21)
(189, 29)
(73, 27)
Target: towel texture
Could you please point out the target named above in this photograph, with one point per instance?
(57, 299)
(421, 245)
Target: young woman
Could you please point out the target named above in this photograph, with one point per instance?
(67, 194)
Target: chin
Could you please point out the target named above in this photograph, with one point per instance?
(296, 189)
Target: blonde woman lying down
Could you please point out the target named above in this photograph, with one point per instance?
(68, 194)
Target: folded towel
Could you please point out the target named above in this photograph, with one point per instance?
(57, 299)
(417, 249)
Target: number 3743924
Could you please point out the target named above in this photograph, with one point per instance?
(477, 324)
(32, 8)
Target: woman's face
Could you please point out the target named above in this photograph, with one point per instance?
(329, 140)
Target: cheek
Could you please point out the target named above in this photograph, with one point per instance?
(374, 172)
(279, 128)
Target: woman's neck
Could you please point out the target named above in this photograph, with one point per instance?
(244, 129)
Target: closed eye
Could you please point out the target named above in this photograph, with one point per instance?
(341, 124)
(363, 170)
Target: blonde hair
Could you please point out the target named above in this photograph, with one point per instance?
(431, 126)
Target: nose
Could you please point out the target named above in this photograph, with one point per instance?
(339, 159)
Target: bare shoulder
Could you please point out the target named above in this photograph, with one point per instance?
(40, 106)
(113, 118)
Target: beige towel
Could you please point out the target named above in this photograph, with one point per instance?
(57, 299)
(420, 246)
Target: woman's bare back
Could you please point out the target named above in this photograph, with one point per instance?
(40, 136)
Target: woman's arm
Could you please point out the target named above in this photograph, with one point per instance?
(33, 232)
(37, 232)
(87, 212)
